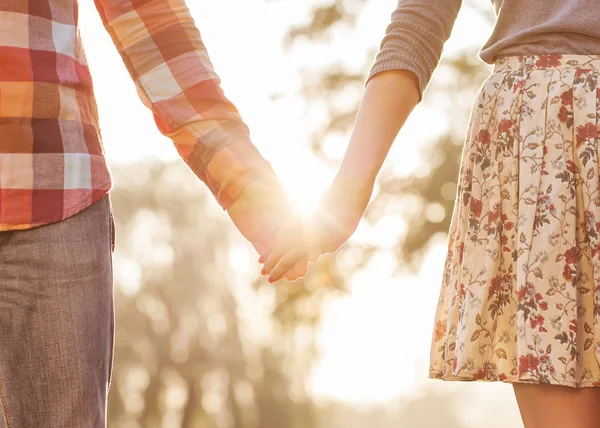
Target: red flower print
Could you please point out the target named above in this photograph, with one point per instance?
(476, 206)
(521, 294)
(538, 297)
(508, 225)
(596, 248)
(479, 374)
(488, 371)
(563, 114)
(504, 126)
(537, 320)
(461, 251)
(519, 85)
(440, 331)
(548, 61)
(567, 97)
(567, 273)
(571, 166)
(504, 240)
(543, 305)
(573, 326)
(528, 363)
(502, 376)
(493, 216)
(484, 137)
(586, 132)
(571, 255)
(495, 286)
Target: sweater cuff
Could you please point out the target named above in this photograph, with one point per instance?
(394, 64)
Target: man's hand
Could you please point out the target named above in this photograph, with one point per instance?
(258, 213)
(300, 239)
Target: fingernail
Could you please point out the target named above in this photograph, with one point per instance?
(261, 259)
(263, 272)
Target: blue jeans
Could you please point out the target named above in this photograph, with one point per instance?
(57, 322)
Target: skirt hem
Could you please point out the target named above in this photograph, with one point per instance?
(513, 380)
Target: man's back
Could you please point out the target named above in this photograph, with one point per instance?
(51, 157)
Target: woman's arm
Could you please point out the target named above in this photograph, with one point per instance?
(388, 100)
(409, 53)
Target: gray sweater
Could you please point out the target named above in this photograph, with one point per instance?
(419, 29)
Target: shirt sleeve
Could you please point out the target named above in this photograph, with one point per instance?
(415, 38)
(164, 54)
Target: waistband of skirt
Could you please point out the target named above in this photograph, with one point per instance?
(541, 62)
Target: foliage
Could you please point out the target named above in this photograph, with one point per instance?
(465, 72)
(183, 357)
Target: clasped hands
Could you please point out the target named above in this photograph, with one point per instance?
(287, 241)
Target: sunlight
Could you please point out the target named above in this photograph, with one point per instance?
(305, 180)
(372, 339)
(303, 198)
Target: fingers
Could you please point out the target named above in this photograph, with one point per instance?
(287, 254)
(278, 241)
(289, 237)
(286, 262)
(298, 271)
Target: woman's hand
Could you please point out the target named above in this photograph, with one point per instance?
(389, 98)
(299, 239)
(258, 212)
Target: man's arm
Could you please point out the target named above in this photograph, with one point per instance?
(164, 54)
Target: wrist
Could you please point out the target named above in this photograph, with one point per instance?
(358, 182)
(235, 168)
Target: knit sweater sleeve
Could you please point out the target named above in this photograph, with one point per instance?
(415, 38)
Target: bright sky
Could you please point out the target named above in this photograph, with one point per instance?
(375, 342)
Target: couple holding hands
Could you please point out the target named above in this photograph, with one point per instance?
(520, 295)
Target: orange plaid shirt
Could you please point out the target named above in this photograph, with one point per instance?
(52, 162)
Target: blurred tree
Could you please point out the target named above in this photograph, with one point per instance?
(432, 191)
(412, 412)
(181, 359)
(335, 90)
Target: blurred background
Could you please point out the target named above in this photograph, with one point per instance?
(202, 340)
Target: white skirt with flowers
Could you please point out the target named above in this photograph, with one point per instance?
(521, 287)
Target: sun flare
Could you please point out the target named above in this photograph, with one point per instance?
(304, 199)
(305, 182)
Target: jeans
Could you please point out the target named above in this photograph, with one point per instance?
(57, 322)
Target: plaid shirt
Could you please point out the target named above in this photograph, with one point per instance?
(52, 163)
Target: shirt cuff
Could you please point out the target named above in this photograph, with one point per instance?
(232, 168)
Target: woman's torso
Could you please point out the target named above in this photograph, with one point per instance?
(542, 27)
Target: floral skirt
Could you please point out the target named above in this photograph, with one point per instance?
(521, 285)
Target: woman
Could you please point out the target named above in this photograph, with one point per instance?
(520, 296)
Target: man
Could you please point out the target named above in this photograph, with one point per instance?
(56, 229)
